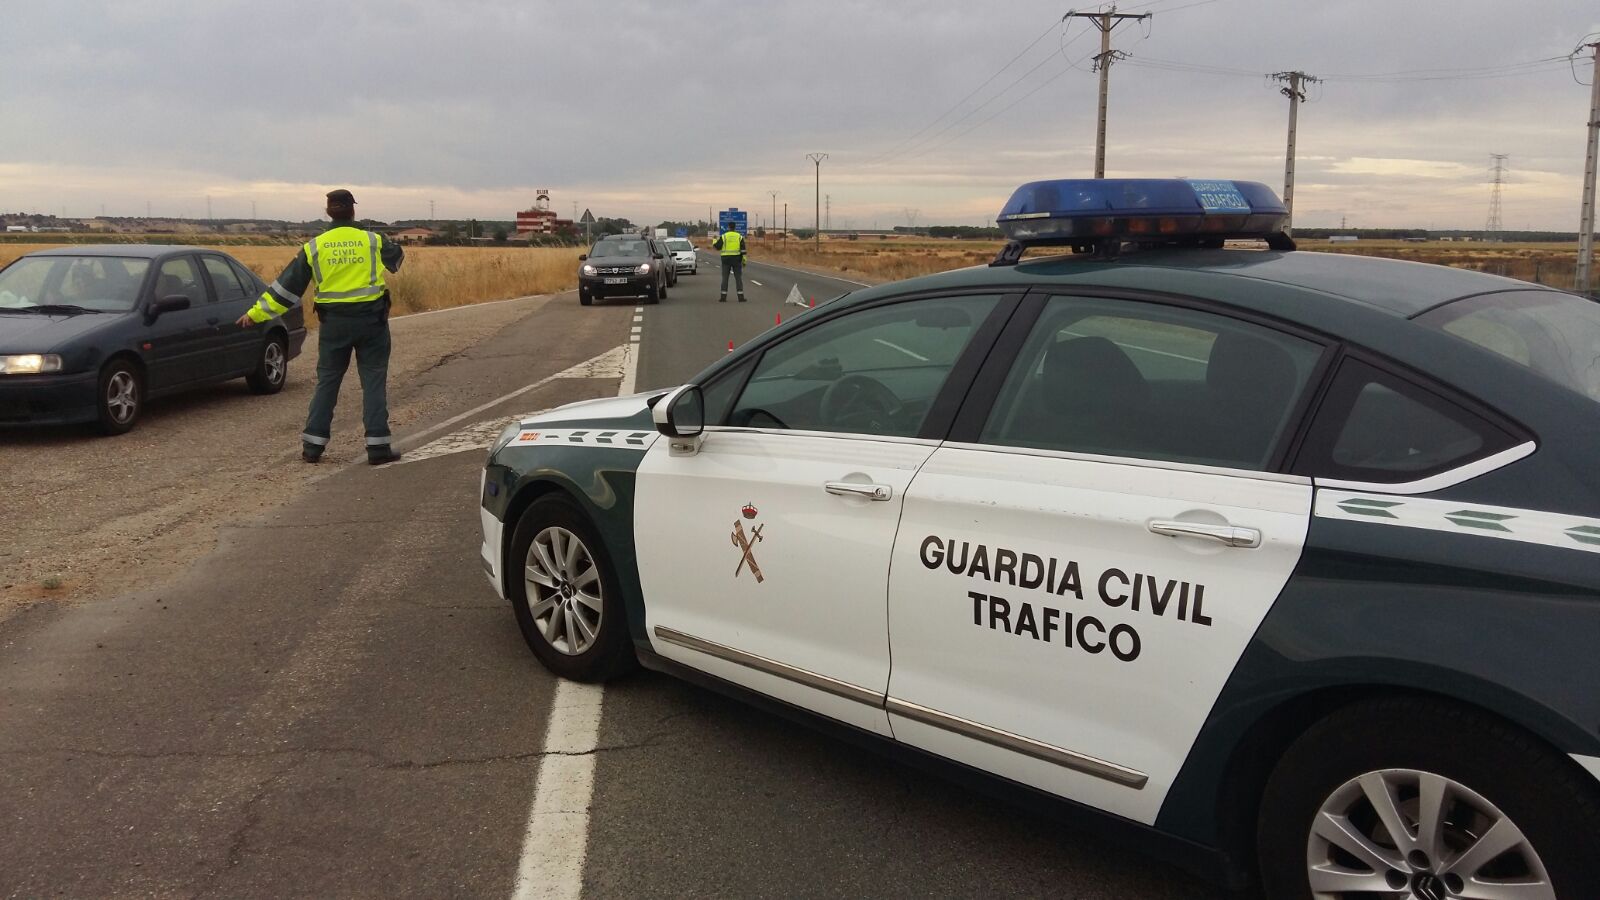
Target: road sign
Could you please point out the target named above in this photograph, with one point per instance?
(587, 219)
(683, 232)
(736, 217)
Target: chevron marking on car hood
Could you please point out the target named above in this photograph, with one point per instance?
(587, 437)
(1507, 523)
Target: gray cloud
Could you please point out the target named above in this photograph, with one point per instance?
(659, 109)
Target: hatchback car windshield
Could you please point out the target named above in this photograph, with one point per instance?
(680, 244)
(92, 283)
(620, 247)
(1556, 335)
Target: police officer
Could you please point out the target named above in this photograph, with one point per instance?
(352, 304)
(732, 246)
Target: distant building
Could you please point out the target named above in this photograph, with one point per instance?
(1342, 239)
(541, 219)
(414, 235)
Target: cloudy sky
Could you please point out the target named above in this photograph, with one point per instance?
(655, 110)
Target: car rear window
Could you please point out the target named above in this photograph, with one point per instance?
(1554, 334)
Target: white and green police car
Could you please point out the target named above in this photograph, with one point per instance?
(1286, 562)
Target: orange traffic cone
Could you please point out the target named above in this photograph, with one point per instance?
(777, 319)
(730, 346)
(813, 303)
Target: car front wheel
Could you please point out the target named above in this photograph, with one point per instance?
(564, 591)
(1418, 798)
(272, 367)
(121, 397)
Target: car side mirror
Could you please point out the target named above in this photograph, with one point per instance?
(658, 256)
(169, 303)
(681, 415)
(582, 257)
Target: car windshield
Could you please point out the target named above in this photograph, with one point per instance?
(680, 244)
(1556, 335)
(620, 247)
(93, 283)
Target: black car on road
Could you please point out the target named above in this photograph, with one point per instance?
(89, 334)
(626, 265)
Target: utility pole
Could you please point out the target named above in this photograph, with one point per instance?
(818, 158)
(252, 210)
(785, 222)
(430, 212)
(827, 220)
(1491, 226)
(1105, 21)
(1295, 89)
(1586, 227)
(774, 210)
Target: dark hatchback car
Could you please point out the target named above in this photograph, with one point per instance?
(89, 334)
(626, 265)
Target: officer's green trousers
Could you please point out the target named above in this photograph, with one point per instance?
(367, 336)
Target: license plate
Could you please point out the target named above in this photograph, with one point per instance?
(616, 281)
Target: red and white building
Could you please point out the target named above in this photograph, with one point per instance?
(541, 219)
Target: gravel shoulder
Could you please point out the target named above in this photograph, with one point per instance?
(87, 516)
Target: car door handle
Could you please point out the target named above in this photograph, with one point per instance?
(1231, 535)
(856, 489)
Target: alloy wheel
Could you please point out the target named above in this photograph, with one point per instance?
(122, 396)
(273, 362)
(563, 589)
(1403, 833)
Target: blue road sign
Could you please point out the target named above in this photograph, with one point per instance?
(735, 216)
(683, 232)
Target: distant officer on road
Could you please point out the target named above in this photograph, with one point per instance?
(352, 303)
(731, 244)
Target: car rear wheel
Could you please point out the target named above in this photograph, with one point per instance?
(121, 397)
(564, 591)
(1418, 798)
(272, 368)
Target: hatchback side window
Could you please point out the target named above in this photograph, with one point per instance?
(1143, 380)
(1377, 427)
(872, 371)
(224, 279)
(179, 276)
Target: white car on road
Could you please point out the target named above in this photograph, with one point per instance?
(683, 255)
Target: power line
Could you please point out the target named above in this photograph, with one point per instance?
(986, 82)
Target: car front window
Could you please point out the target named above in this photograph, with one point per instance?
(94, 283)
(873, 371)
(1554, 334)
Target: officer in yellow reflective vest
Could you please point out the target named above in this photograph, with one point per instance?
(732, 246)
(352, 304)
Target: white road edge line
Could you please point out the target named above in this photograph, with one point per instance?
(756, 283)
(429, 312)
(812, 274)
(556, 842)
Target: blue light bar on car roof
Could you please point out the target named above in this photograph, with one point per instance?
(1091, 212)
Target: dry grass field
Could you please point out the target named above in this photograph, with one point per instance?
(431, 277)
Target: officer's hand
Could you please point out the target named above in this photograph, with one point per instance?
(245, 321)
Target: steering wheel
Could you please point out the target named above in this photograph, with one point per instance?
(857, 400)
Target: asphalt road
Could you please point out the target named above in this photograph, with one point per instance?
(334, 704)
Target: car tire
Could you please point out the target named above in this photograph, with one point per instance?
(574, 622)
(1486, 772)
(121, 396)
(272, 366)
(585, 298)
(655, 293)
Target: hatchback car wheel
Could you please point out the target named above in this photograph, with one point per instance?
(272, 368)
(565, 593)
(1412, 798)
(121, 397)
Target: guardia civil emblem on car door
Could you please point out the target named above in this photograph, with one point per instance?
(746, 543)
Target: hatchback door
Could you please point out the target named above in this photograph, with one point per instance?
(764, 554)
(1080, 567)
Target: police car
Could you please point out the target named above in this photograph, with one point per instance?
(1286, 562)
